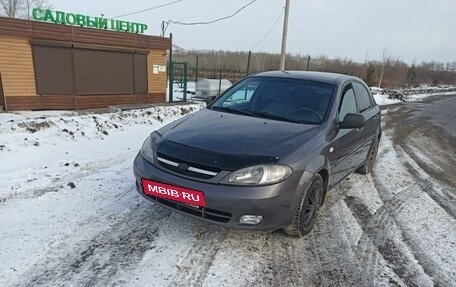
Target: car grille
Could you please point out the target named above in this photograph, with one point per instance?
(207, 213)
(190, 169)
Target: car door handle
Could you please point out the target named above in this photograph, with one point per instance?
(359, 129)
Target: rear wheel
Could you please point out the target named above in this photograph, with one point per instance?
(367, 167)
(307, 212)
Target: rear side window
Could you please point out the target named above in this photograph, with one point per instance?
(362, 97)
(348, 103)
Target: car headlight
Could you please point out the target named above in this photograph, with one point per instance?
(147, 149)
(258, 175)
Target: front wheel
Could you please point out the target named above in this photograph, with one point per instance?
(307, 212)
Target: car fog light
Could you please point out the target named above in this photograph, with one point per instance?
(251, 219)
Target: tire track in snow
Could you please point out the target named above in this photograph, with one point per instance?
(284, 267)
(193, 269)
(376, 238)
(280, 260)
(420, 141)
(386, 218)
(334, 260)
(446, 200)
(323, 258)
(97, 261)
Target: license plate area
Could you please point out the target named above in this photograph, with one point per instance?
(175, 193)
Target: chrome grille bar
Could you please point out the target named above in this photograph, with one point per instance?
(190, 168)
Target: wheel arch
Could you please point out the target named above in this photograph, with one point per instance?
(324, 174)
(321, 166)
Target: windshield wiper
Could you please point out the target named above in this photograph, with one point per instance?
(231, 110)
(274, 117)
(256, 114)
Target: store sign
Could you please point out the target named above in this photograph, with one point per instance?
(59, 17)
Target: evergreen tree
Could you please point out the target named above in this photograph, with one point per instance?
(369, 76)
(412, 77)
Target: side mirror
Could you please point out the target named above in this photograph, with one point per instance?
(353, 121)
(210, 99)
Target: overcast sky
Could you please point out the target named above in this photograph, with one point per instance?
(414, 30)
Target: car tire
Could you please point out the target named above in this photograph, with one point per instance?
(307, 212)
(369, 164)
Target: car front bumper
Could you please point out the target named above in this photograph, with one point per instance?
(225, 204)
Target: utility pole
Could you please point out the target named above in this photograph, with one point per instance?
(283, 54)
(248, 63)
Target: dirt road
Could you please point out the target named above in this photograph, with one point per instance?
(395, 227)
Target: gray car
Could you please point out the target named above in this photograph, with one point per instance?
(263, 155)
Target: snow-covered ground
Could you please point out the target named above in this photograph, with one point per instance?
(390, 97)
(70, 216)
(59, 171)
(178, 92)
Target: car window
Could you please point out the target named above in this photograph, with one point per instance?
(362, 97)
(348, 103)
(283, 99)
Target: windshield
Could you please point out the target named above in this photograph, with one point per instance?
(292, 100)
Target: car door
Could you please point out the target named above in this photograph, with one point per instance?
(371, 113)
(346, 146)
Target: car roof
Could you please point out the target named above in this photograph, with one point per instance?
(332, 78)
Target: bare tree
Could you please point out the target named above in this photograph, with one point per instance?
(30, 4)
(10, 8)
(233, 66)
(22, 8)
(385, 59)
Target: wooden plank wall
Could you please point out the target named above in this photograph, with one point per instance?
(16, 66)
(49, 31)
(156, 82)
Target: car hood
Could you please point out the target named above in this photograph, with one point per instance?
(256, 140)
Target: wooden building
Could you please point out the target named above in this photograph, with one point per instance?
(52, 66)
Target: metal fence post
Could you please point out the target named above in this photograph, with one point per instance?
(170, 69)
(185, 82)
(220, 82)
(308, 61)
(196, 72)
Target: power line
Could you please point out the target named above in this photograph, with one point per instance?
(148, 9)
(213, 21)
(269, 32)
(209, 10)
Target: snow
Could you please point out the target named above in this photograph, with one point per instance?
(384, 97)
(383, 100)
(39, 211)
(191, 90)
(100, 232)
